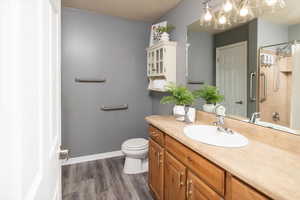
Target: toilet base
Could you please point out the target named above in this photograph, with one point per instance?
(135, 166)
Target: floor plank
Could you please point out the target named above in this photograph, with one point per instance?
(103, 180)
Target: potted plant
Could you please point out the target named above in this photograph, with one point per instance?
(182, 98)
(211, 95)
(164, 32)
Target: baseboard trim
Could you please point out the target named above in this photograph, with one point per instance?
(93, 157)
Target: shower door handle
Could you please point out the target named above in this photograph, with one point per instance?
(252, 75)
(264, 97)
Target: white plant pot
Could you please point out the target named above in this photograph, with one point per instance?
(165, 37)
(209, 108)
(179, 110)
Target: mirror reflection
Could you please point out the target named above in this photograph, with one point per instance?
(255, 66)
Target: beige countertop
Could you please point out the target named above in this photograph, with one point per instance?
(271, 170)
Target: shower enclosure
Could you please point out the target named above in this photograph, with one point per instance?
(278, 83)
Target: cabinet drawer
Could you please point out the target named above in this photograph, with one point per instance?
(240, 190)
(157, 135)
(211, 174)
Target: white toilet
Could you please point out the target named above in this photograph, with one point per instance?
(136, 155)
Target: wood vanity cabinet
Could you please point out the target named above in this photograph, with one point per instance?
(178, 173)
(156, 169)
(175, 179)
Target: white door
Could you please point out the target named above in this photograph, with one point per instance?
(231, 77)
(30, 99)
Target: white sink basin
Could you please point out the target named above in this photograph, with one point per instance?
(210, 135)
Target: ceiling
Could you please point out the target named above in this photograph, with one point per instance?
(143, 10)
(289, 15)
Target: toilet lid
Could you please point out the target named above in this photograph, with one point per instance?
(136, 143)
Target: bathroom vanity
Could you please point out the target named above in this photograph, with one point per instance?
(181, 168)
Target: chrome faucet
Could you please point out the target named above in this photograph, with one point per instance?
(220, 121)
(220, 118)
(254, 117)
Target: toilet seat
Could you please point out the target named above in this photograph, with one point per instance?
(135, 144)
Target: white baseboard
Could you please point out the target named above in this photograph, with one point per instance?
(93, 157)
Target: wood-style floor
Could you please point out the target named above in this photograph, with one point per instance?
(103, 180)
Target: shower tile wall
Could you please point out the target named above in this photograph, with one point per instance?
(277, 100)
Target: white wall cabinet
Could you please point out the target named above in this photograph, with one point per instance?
(161, 65)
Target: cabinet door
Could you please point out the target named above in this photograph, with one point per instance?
(198, 190)
(156, 169)
(175, 179)
(236, 190)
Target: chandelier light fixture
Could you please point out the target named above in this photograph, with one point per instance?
(234, 12)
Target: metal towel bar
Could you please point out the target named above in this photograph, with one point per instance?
(78, 80)
(196, 82)
(112, 108)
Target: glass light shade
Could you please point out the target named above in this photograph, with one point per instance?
(229, 6)
(273, 5)
(245, 12)
(271, 2)
(207, 18)
(223, 21)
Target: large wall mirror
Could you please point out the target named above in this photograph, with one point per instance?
(255, 65)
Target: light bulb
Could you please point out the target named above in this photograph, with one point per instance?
(207, 16)
(227, 7)
(244, 11)
(271, 2)
(222, 20)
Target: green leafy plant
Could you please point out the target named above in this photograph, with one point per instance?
(210, 94)
(166, 29)
(180, 95)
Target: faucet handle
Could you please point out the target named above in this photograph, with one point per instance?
(220, 119)
(215, 123)
(229, 131)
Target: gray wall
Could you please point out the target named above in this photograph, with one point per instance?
(100, 46)
(271, 33)
(187, 12)
(294, 32)
(200, 60)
